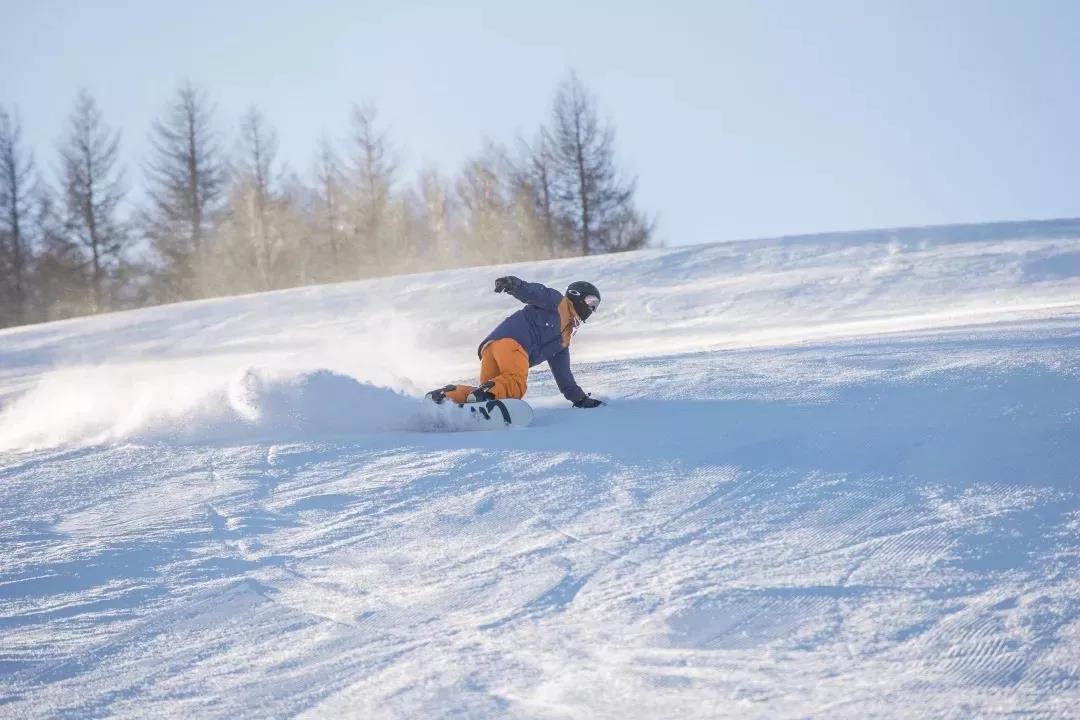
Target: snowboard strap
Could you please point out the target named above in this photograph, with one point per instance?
(502, 408)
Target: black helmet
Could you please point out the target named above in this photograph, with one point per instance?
(585, 298)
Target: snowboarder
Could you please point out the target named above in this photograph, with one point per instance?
(539, 332)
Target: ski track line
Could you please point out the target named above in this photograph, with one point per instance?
(948, 524)
(979, 656)
(905, 550)
(682, 519)
(184, 606)
(555, 528)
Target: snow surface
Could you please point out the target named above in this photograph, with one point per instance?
(837, 477)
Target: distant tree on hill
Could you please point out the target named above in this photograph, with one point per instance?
(537, 175)
(436, 222)
(186, 179)
(299, 255)
(58, 269)
(252, 240)
(92, 189)
(480, 192)
(587, 184)
(499, 221)
(16, 186)
(329, 231)
(372, 174)
(214, 222)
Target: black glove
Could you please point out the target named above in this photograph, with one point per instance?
(507, 284)
(588, 402)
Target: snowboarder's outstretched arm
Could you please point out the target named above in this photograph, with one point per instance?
(564, 378)
(529, 293)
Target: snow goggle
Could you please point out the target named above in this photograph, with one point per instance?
(591, 300)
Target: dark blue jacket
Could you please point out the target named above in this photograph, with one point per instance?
(543, 328)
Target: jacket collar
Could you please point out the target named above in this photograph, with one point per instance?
(568, 320)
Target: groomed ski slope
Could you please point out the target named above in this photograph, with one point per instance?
(837, 477)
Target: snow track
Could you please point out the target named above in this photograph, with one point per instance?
(838, 477)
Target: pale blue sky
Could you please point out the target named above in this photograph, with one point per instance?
(741, 119)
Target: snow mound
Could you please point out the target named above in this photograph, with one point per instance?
(103, 405)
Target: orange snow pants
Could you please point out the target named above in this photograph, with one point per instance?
(503, 361)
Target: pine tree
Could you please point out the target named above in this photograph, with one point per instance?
(16, 170)
(588, 186)
(436, 225)
(373, 171)
(484, 210)
(253, 192)
(92, 187)
(187, 182)
(299, 252)
(536, 176)
(59, 269)
(329, 213)
(500, 221)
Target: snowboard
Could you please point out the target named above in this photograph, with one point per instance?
(487, 415)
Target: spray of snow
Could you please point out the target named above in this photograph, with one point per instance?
(101, 405)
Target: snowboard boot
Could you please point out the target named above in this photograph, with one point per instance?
(438, 396)
(482, 393)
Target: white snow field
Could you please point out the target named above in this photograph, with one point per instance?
(837, 477)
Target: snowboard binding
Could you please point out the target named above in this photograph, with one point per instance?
(438, 396)
(478, 394)
(482, 393)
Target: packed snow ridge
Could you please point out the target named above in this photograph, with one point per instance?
(836, 476)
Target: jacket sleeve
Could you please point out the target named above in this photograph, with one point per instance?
(560, 368)
(537, 294)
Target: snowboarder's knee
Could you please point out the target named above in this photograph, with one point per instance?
(510, 385)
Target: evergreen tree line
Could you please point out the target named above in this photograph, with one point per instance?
(213, 222)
